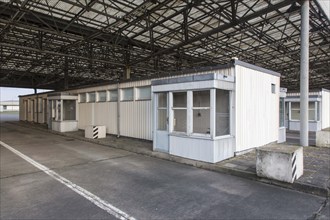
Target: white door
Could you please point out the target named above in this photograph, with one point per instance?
(161, 141)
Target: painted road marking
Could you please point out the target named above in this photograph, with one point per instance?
(81, 191)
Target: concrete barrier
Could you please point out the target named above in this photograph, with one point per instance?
(95, 131)
(280, 162)
(323, 138)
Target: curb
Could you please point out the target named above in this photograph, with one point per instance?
(297, 186)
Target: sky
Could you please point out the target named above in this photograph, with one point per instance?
(7, 94)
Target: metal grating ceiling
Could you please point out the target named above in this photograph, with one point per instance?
(90, 41)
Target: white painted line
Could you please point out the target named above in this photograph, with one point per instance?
(81, 191)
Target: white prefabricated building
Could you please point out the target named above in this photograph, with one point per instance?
(318, 110)
(209, 114)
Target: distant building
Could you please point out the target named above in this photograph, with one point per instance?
(8, 106)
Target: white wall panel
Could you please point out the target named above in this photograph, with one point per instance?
(224, 148)
(257, 108)
(86, 116)
(192, 148)
(325, 111)
(106, 114)
(136, 119)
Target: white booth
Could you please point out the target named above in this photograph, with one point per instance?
(211, 116)
(63, 117)
(318, 110)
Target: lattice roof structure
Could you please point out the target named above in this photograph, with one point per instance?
(90, 41)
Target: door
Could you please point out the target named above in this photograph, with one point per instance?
(26, 110)
(161, 141)
(45, 110)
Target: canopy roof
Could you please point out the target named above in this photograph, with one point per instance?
(91, 41)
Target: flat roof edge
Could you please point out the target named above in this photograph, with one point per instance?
(254, 67)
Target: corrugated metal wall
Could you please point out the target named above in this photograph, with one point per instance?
(257, 109)
(105, 113)
(85, 115)
(325, 109)
(136, 119)
(135, 116)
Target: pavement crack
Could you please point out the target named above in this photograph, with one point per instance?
(317, 214)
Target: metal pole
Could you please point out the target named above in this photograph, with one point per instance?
(304, 72)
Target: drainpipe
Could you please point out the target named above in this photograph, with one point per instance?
(304, 73)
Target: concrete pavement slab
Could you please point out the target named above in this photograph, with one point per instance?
(145, 187)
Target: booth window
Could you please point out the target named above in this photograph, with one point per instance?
(143, 93)
(102, 96)
(282, 112)
(69, 109)
(91, 97)
(313, 113)
(162, 111)
(82, 97)
(127, 94)
(201, 112)
(113, 95)
(58, 110)
(222, 112)
(180, 111)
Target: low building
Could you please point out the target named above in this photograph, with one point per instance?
(9, 106)
(209, 114)
(318, 110)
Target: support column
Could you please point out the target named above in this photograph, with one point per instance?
(66, 70)
(127, 72)
(304, 72)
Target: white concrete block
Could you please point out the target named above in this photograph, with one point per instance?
(323, 138)
(280, 162)
(95, 131)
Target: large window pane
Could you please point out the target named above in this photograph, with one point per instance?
(222, 112)
(102, 96)
(180, 99)
(127, 94)
(162, 111)
(143, 93)
(69, 110)
(201, 98)
(162, 119)
(180, 120)
(201, 112)
(162, 100)
(201, 121)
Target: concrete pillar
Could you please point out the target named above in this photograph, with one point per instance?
(304, 72)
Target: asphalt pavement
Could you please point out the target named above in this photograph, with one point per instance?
(141, 186)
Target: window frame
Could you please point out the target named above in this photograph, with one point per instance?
(137, 93)
(122, 94)
(200, 108)
(98, 96)
(180, 108)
